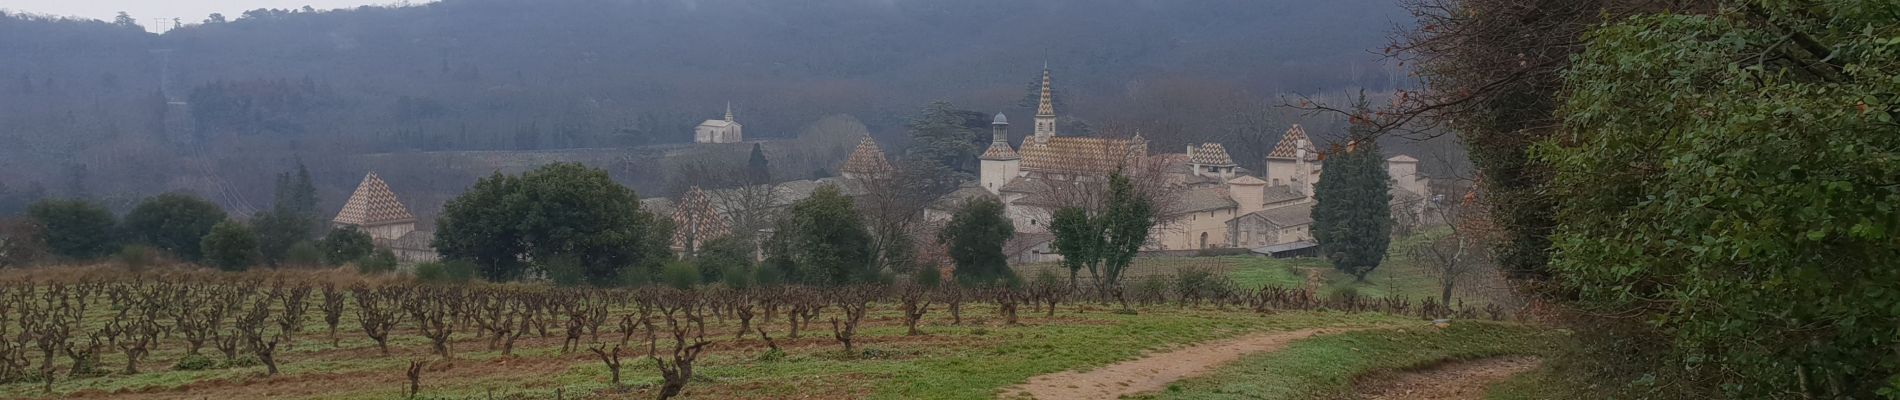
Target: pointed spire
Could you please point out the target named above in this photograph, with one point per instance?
(728, 111)
(1046, 107)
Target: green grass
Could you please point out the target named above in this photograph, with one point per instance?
(1325, 367)
(970, 361)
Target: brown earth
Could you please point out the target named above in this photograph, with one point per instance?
(1155, 371)
(1451, 381)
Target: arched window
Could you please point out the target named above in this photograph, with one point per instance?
(1203, 240)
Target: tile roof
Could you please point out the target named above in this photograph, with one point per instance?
(717, 123)
(1203, 199)
(373, 204)
(1291, 215)
(1402, 158)
(1081, 155)
(1000, 151)
(1282, 193)
(694, 218)
(1210, 154)
(1247, 180)
(866, 159)
(1288, 146)
(950, 202)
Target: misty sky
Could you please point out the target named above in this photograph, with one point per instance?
(151, 12)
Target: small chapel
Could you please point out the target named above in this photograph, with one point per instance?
(725, 130)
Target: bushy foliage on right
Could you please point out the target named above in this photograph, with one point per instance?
(1733, 179)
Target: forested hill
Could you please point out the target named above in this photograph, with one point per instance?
(519, 74)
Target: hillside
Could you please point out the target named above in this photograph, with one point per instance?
(114, 112)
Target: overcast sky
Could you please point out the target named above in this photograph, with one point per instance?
(151, 12)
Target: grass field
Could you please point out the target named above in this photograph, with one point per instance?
(968, 361)
(972, 360)
(1326, 367)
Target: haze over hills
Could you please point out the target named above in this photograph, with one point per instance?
(114, 112)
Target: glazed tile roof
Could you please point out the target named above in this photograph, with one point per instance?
(866, 159)
(1081, 155)
(1210, 154)
(694, 218)
(1000, 151)
(373, 204)
(1288, 146)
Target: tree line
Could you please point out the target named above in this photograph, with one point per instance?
(1705, 181)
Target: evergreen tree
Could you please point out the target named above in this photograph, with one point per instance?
(1353, 218)
(173, 222)
(939, 134)
(75, 229)
(293, 216)
(758, 170)
(230, 246)
(975, 236)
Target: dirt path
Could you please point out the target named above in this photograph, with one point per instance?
(1155, 371)
(1453, 381)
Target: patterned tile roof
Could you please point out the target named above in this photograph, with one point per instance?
(694, 218)
(373, 204)
(866, 159)
(999, 151)
(1082, 155)
(1288, 146)
(1210, 154)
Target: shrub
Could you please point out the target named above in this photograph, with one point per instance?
(431, 272)
(768, 277)
(927, 277)
(737, 277)
(1223, 252)
(303, 254)
(565, 271)
(75, 229)
(345, 245)
(194, 362)
(680, 275)
(173, 223)
(136, 257)
(230, 246)
(1343, 293)
(384, 261)
(459, 271)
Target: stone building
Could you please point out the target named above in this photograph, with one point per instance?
(374, 209)
(720, 130)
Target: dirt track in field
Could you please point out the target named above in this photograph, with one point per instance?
(1155, 371)
(1451, 381)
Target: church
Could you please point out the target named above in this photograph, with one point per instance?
(1216, 203)
(720, 130)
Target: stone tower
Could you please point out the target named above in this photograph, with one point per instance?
(1000, 163)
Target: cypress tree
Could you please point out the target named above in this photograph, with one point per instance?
(1352, 220)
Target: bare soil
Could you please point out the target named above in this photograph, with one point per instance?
(1155, 371)
(1450, 381)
